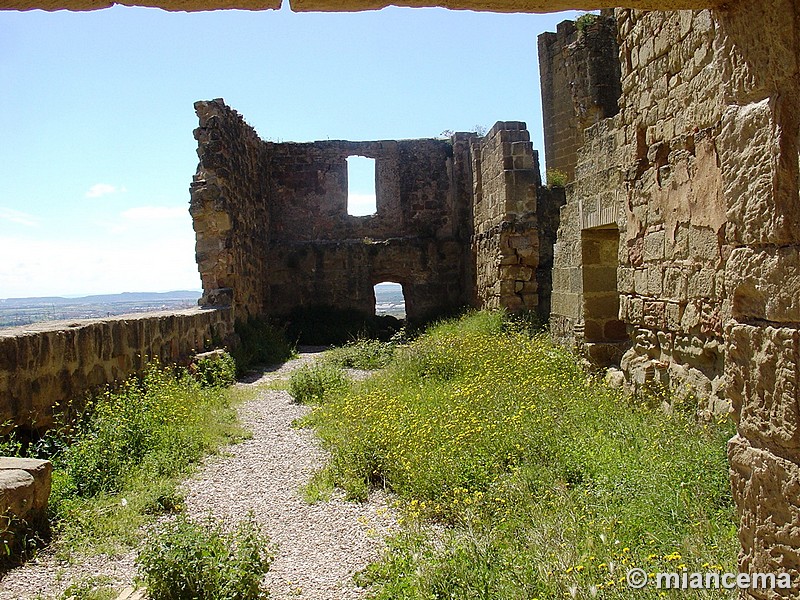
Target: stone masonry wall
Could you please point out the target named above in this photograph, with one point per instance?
(318, 254)
(702, 168)
(580, 76)
(229, 208)
(56, 362)
(272, 223)
(506, 236)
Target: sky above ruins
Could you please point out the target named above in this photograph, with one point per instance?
(97, 150)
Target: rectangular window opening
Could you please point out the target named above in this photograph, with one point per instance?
(361, 197)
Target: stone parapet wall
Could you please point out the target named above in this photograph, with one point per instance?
(59, 362)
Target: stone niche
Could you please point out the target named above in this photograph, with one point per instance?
(456, 221)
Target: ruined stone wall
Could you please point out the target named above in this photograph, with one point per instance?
(701, 167)
(592, 210)
(580, 82)
(273, 229)
(759, 156)
(321, 255)
(229, 208)
(456, 222)
(56, 362)
(672, 260)
(506, 236)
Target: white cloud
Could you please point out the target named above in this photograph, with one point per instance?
(45, 267)
(155, 213)
(360, 205)
(17, 216)
(103, 189)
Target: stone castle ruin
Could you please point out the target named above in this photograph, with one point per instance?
(671, 254)
(459, 222)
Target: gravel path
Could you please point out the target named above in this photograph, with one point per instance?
(318, 546)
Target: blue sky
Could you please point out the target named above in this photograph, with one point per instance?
(97, 151)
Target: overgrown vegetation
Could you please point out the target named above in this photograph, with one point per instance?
(185, 559)
(585, 21)
(362, 353)
(544, 483)
(556, 178)
(215, 369)
(261, 343)
(312, 383)
(117, 463)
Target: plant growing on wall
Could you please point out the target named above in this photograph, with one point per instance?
(583, 22)
(556, 178)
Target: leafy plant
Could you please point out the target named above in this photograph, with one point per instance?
(90, 588)
(362, 353)
(312, 383)
(216, 369)
(585, 21)
(201, 561)
(556, 178)
(120, 462)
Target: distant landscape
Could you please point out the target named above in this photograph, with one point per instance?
(24, 311)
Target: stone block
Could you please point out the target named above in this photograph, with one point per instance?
(765, 284)
(599, 279)
(636, 311)
(654, 314)
(625, 280)
(640, 281)
(762, 367)
(673, 313)
(24, 492)
(766, 489)
(654, 246)
(750, 149)
(654, 280)
(675, 284)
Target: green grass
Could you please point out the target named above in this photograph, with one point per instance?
(541, 482)
(362, 353)
(312, 383)
(118, 466)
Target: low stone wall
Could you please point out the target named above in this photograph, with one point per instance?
(24, 492)
(60, 361)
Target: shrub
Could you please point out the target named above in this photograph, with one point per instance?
(362, 353)
(556, 178)
(312, 383)
(120, 461)
(215, 369)
(147, 422)
(202, 562)
(261, 343)
(585, 21)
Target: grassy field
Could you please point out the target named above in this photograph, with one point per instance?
(518, 476)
